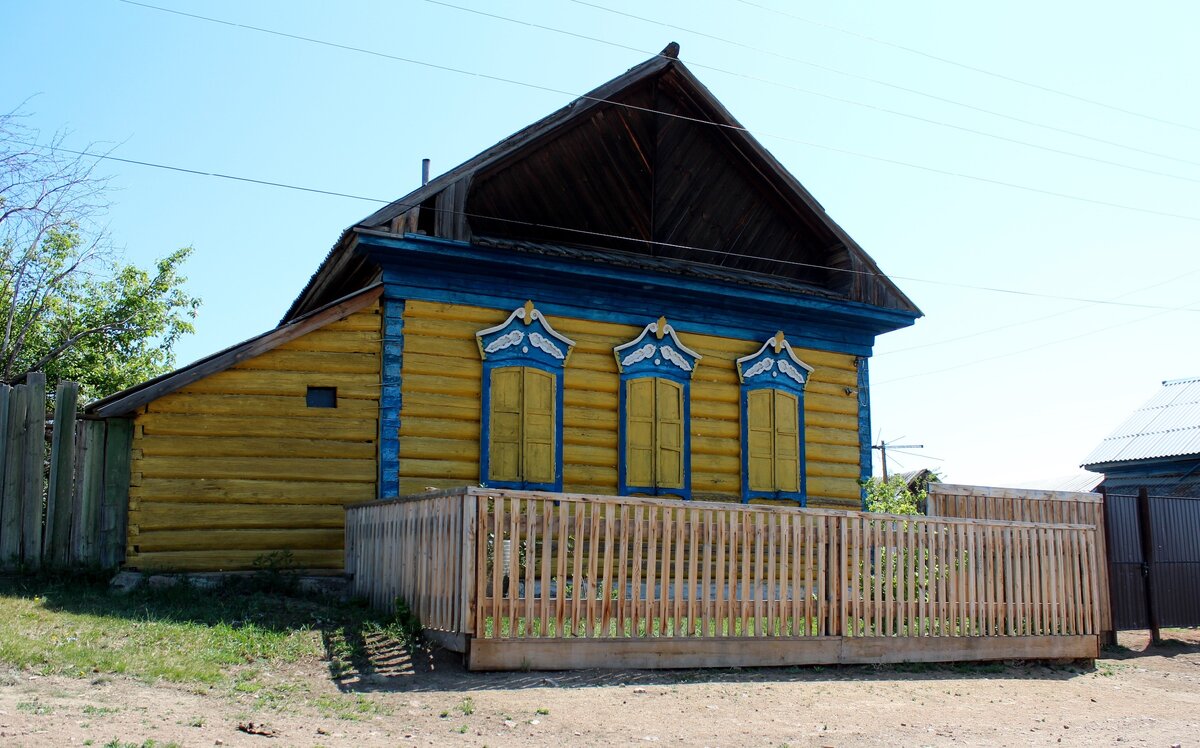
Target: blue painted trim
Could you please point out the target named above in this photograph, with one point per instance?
(525, 356)
(434, 269)
(801, 496)
(623, 487)
(864, 429)
(390, 396)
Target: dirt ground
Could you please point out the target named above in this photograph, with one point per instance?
(1137, 695)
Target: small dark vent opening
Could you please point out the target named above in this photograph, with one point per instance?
(322, 397)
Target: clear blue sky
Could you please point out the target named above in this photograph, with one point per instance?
(1002, 387)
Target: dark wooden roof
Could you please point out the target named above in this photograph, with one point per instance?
(650, 164)
(126, 401)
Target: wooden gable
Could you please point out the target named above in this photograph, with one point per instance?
(648, 169)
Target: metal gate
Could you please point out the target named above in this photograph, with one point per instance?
(1154, 560)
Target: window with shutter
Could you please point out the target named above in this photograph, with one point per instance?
(521, 432)
(773, 381)
(656, 369)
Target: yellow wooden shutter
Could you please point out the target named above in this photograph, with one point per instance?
(537, 440)
(504, 447)
(787, 441)
(639, 432)
(669, 436)
(760, 432)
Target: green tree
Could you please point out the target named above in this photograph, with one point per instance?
(895, 496)
(68, 305)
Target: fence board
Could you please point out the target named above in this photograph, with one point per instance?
(34, 455)
(62, 470)
(13, 527)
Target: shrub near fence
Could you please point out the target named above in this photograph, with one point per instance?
(63, 503)
(524, 579)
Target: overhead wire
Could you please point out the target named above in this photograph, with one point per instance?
(674, 115)
(1043, 318)
(879, 82)
(973, 68)
(820, 94)
(1039, 346)
(618, 237)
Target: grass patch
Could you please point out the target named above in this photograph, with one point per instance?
(351, 708)
(58, 626)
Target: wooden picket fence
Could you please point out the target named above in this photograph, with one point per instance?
(63, 496)
(535, 580)
(1028, 505)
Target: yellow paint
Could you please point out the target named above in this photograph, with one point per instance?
(236, 465)
(442, 387)
(522, 420)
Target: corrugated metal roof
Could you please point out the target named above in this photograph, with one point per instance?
(1083, 481)
(1168, 425)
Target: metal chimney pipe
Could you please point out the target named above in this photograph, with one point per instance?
(424, 172)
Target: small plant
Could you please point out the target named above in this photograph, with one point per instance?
(543, 711)
(462, 730)
(34, 707)
(467, 706)
(276, 571)
(98, 711)
(408, 624)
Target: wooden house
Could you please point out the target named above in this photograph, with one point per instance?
(629, 296)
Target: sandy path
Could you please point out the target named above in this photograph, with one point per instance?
(1131, 698)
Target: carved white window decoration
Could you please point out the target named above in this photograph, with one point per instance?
(658, 344)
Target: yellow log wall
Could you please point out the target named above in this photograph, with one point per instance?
(440, 413)
(235, 466)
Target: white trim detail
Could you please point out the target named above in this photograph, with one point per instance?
(796, 372)
(640, 350)
(542, 343)
(506, 341)
(641, 354)
(534, 316)
(765, 364)
(673, 356)
(791, 371)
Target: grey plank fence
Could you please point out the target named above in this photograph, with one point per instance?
(64, 492)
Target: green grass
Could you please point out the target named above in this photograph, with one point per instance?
(225, 637)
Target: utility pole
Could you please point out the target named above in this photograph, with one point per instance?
(883, 447)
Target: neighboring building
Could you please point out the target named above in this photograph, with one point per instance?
(1157, 448)
(630, 296)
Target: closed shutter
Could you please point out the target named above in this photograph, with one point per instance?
(669, 436)
(538, 426)
(773, 441)
(639, 432)
(760, 430)
(504, 442)
(787, 441)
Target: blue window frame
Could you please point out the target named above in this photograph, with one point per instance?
(521, 443)
(655, 413)
(772, 404)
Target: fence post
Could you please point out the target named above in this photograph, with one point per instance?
(115, 509)
(5, 510)
(32, 486)
(10, 536)
(1146, 532)
(62, 469)
(1108, 634)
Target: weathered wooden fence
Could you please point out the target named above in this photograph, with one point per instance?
(535, 580)
(63, 496)
(1024, 505)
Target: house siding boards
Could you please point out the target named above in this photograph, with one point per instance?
(441, 392)
(235, 465)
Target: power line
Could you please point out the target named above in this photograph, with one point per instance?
(1043, 318)
(886, 84)
(820, 94)
(697, 120)
(1029, 349)
(973, 68)
(606, 235)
